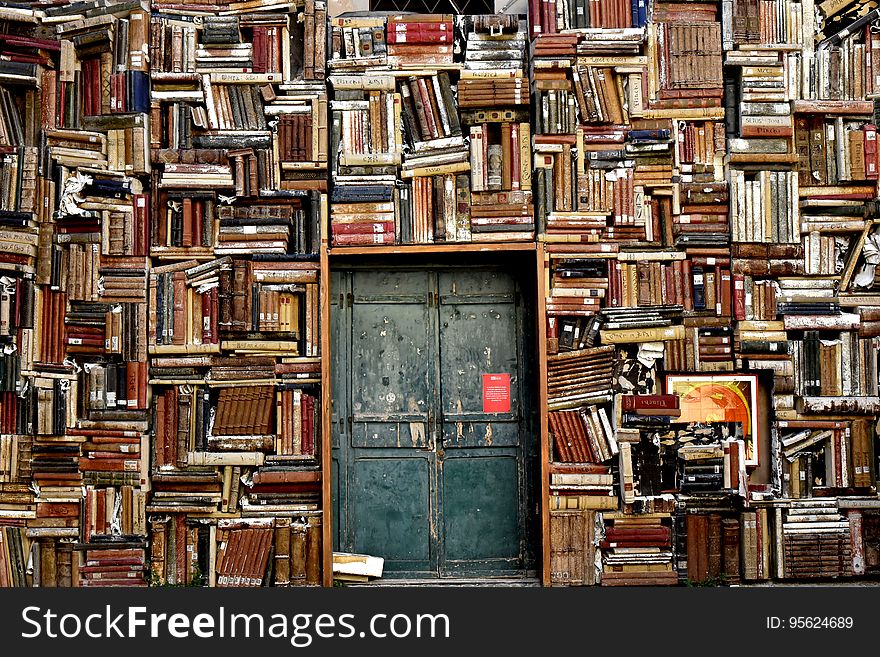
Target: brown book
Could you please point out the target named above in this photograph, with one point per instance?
(282, 552)
(298, 553)
(697, 547)
(314, 551)
(178, 282)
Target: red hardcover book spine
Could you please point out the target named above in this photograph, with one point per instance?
(376, 227)
(724, 295)
(535, 16)
(633, 402)
(739, 297)
(687, 281)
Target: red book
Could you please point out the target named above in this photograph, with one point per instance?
(416, 33)
(648, 533)
(198, 226)
(636, 402)
(95, 556)
(535, 16)
(132, 373)
(372, 228)
(549, 18)
(631, 544)
(724, 292)
(687, 281)
(739, 297)
(108, 464)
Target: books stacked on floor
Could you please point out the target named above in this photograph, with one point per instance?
(575, 486)
(815, 540)
(637, 550)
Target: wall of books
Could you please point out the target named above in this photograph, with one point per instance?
(697, 180)
(164, 191)
(711, 378)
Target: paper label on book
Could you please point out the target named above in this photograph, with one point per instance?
(249, 230)
(496, 393)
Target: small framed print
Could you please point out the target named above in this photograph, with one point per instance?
(720, 398)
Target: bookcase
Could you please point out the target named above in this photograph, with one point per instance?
(163, 406)
(705, 214)
(696, 182)
(239, 146)
(413, 163)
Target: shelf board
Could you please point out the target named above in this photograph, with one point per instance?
(454, 247)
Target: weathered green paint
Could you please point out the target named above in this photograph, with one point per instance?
(422, 477)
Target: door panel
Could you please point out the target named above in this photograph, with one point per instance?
(392, 398)
(392, 375)
(481, 464)
(478, 335)
(481, 512)
(393, 511)
(423, 476)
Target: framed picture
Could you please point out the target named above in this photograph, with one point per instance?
(720, 398)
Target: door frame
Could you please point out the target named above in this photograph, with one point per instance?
(520, 264)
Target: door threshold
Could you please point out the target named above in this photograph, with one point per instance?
(461, 582)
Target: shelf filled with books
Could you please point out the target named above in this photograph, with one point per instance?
(239, 147)
(739, 278)
(77, 138)
(430, 130)
(632, 204)
(162, 386)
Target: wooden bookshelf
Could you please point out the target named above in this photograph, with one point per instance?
(403, 249)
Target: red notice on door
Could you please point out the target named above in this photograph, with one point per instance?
(496, 393)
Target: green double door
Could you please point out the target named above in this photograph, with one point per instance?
(430, 442)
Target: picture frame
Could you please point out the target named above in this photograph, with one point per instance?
(720, 398)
